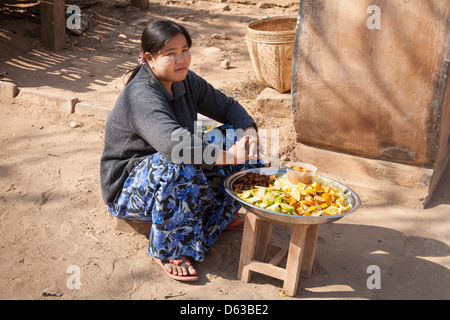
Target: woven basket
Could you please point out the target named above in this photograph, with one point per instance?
(270, 42)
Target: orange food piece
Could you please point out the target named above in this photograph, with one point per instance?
(319, 199)
(311, 208)
(327, 198)
(292, 201)
(308, 202)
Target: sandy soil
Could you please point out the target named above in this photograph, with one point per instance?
(53, 220)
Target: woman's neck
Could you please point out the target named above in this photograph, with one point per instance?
(168, 87)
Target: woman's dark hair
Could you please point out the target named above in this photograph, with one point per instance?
(155, 36)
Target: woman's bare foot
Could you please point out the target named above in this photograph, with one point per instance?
(180, 267)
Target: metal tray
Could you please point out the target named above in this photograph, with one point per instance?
(350, 196)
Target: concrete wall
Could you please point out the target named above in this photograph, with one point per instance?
(370, 89)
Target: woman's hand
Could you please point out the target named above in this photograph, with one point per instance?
(254, 147)
(246, 148)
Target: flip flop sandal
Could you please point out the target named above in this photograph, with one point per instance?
(181, 263)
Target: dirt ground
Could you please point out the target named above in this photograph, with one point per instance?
(54, 225)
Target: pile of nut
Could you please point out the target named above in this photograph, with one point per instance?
(252, 179)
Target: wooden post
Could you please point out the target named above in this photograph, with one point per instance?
(53, 24)
(141, 4)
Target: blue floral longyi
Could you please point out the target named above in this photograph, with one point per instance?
(186, 204)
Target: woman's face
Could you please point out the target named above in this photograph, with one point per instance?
(171, 64)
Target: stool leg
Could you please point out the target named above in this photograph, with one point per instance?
(310, 249)
(265, 233)
(294, 260)
(247, 246)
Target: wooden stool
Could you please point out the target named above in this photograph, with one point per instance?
(127, 226)
(300, 254)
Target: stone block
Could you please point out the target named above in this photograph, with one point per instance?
(274, 103)
(8, 89)
(369, 83)
(55, 101)
(371, 89)
(83, 108)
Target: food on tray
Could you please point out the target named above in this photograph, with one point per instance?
(314, 199)
(250, 180)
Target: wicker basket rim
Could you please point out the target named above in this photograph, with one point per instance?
(268, 41)
(266, 20)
